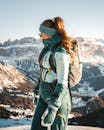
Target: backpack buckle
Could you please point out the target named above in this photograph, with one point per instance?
(49, 69)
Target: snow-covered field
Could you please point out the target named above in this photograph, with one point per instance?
(27, 127)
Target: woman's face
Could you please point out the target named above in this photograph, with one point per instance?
(44, 36)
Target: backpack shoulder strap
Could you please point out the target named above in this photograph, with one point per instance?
(57, 48)
(51, 58)
(43, 52)
(61, 50)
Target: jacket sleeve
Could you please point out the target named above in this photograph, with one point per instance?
(62, 61)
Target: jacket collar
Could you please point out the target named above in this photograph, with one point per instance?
(49, 43)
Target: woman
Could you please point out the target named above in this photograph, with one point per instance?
(54, 102)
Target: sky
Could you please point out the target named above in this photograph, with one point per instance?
(22, 18)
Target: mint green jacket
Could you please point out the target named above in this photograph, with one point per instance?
(62, 61)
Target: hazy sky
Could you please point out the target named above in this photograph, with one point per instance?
(21, 18)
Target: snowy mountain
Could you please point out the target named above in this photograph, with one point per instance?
(23, 54)
(19, 68)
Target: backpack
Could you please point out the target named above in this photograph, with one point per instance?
(75, 69)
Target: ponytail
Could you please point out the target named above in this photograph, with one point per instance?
(59, 23)
(66, 40)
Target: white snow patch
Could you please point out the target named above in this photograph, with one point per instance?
(16, 91)
(78, 102)
(1, 89)
(71, 116)
(5, 106)
(98, 43)
(101, 67)
(98, 92)
(87, 90)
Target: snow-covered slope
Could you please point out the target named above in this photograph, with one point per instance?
(16, 97)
